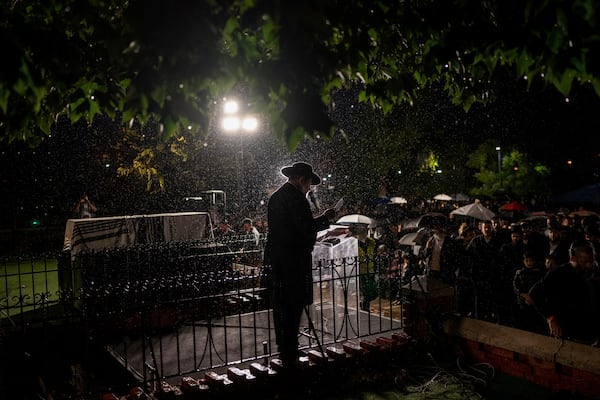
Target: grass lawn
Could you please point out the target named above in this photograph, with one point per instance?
(24, 283)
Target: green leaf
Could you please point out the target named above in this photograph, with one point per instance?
(596, 85)
(566, 81)
(45, 123)
(75, 104)
(20, 87)
(170, 126)
(4, 96)
(94, 109)
(295, 137)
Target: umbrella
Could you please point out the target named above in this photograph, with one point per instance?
(474, 210)
(442, 197)
(583, 213)
(354, 219)
(513, 206)
(398, 200)
(408, 239)
(425, 220)
(419, 237)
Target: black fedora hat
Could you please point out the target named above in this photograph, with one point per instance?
(301, 169)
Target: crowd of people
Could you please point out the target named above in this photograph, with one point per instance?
(541, 278)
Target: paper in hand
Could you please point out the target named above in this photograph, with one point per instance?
(338, 206)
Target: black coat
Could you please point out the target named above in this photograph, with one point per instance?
(570, 297)
(290, 241)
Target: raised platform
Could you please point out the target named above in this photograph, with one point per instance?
(220, 342)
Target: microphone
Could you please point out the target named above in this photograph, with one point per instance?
(313, 200)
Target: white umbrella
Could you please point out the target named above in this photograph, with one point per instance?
(354, 219)
(475, 210)
(419, 237)
(442, 197)
(408, 239)
(398, 200)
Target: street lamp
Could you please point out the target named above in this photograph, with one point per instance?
(234, 121)
(499, 164)
(499, 159)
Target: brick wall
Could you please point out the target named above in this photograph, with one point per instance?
(558, 365)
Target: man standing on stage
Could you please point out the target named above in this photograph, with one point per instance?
(291, 237)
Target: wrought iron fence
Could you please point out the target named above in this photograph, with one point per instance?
(168, 310)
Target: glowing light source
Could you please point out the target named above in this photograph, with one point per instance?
(249, 124)
(231, 107)
(231, 124)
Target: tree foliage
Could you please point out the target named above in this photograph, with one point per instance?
(516, 175)
(173, 62)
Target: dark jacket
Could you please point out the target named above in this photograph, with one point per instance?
(570, 297)
(290, 241)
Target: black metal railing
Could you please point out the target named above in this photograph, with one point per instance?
(168, 310)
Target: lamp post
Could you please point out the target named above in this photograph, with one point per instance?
(499, 164)
(235, 121)
(499, 159)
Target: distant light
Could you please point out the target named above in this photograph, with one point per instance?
(189, 127)
(231, 124)
(498, 148)
(439, 171)
(231, 107)
(250, 124)
(569, 162)
(399, 172)
(107, 165)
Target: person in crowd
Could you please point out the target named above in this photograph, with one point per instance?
(262, 226)
(511, 253)
(557, 246)
(394, 277)
(390, 235)
(250, 235)
(223, 230)
(249, 244)
(483, 256)
(465, 296)
(592, 234)
(550, 262)
(402, 271)
(500, 230)
(458, 231)
(442, 253)
(292, 236)
(567, 297)
(534, 241)
(466, 234)
(526, 316)
(366, 265)
(383, 260)
(84, 208)
(510, 260)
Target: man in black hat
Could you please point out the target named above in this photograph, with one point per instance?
(292, 235)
